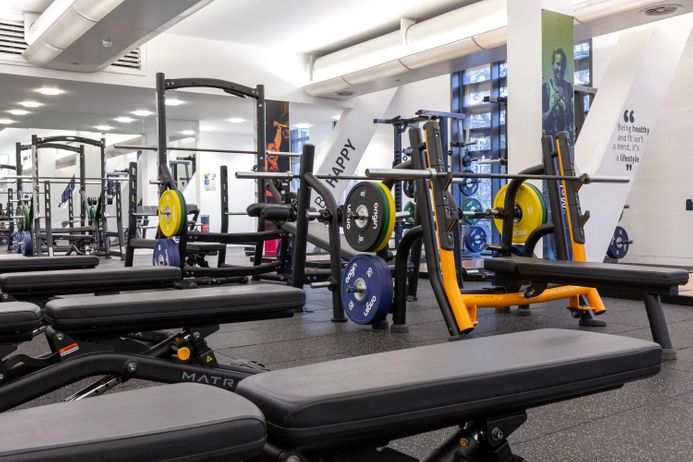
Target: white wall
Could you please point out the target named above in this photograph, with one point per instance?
(241, 192)
(657, 220)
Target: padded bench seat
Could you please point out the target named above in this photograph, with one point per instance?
(185, 421)
(649, 279)
(18, 320)
(164, 309)
(80, 281)
(21, 264)
(394, 394)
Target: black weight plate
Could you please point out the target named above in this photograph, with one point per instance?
(469, 186)
(366, 289)
(475, 239)
(166, 253)
(409, 189)
(618, 248)
(365, 216)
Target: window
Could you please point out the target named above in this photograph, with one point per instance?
(480, 93)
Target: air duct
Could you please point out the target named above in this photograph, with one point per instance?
(443, 39)
(88, 35)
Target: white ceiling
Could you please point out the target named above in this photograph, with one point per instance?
(306, 26)
(85, 105)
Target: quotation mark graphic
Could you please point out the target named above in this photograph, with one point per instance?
(628, 116)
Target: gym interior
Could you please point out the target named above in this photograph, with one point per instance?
(440, 230)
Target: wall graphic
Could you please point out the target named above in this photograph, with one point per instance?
(277, 135)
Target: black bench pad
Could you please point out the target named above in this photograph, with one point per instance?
(185, 421)
(79, 281)
(18, 321)
(649, 279)
(18, 264)
(409, 391)
(164, 309)
(195, 247)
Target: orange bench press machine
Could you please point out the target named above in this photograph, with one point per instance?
(522, 280)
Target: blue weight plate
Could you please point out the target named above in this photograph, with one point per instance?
(27, 244)
(409, 188)
(475, 239)
(618, 248)
(17, 242)
(366, 289)
(469, 186)
(166, 253)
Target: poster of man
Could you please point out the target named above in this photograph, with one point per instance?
(277, 135)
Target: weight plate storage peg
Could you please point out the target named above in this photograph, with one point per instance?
(618, 248)
(366, 289)
(530, 211)
(469, 186)
(471, 204)
(366, 216)
(166, 253)
(475, 239)
(171, 213)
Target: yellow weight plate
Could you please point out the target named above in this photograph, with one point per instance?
(391, 217)
(171, 213)
(531, 210)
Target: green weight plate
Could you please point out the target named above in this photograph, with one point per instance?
(471, 204)
(541, 199)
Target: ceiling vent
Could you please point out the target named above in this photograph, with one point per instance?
(131, 60)
(12, 37)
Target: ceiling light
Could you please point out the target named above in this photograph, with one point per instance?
(662, 10)
(236, 120)
(173, 102)
(337, 116)
(31, 104)
(18, 112)
(103, 128)
(188, 132)
(142, 113)
(124, 120)
(50, 91)
(6, 121)
(207, 128)
(303, 125)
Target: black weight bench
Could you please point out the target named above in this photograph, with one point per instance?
(206, 248)
(172, 422)
(31, 285)
(164, 309)
(360, 403)
(167, 329)
(23, 264)
(650, 282)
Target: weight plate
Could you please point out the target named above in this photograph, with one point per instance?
(471, 204)
(17, 242)
(390, 217)
(366, 289)
(411, 209)
(171, 212)
(475, 239)
(618, 248)
(409, 189)
(27, 218)
(26, 244)
(166, 253)
(543, 203)
(469, 186)
(529, 208)
(365, 216)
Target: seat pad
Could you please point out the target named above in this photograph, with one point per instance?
(18, 320)
(164, 309)
(419, 389)
(590, 274)
(17, 264)
(65, 281)
(183, 421)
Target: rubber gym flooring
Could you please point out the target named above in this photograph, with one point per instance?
(649, 420)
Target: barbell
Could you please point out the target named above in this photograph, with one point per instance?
(136, 147)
